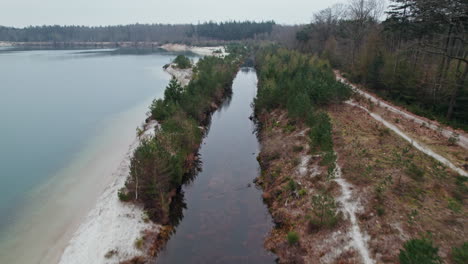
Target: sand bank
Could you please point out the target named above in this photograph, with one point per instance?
(202, 51)
(109, 232)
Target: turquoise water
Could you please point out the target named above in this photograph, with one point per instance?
(55, 107)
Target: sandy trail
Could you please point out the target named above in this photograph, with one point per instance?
(350, 207)
(446, 132)
(413, 142)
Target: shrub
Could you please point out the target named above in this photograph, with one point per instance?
(415, 172)
(123, 195)
(321, 132)
(302, 192)
(454, 205)
(292, 185)
(182, 62)
(460, 254)
(417, 251)
(324, 212)
(139, 243)
(380, 210)
(298, 148)
(292, 237)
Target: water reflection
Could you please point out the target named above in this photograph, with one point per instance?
(220, 216)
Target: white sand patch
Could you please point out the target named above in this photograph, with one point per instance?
(463, 138)
(112, 224)
(5, 44)
(349, 208)
(203, 51)
(303, 166)
(330, 248)
(183, 76)
(417, 145)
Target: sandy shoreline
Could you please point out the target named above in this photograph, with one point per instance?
(110, 230)
(202, 51)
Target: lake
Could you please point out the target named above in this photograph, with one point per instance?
(67, 118)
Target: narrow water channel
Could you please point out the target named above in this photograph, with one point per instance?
(225, 219)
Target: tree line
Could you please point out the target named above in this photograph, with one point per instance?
(226, 31)
(161, 164)
(416, 57)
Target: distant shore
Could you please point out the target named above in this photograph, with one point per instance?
(171, 47)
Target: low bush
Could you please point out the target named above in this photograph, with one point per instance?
(123, 195)
(417, 251)
(324, 212)
(460, 254)
(292, 237)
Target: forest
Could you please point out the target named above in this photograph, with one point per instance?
(225, 31)
(416, 57)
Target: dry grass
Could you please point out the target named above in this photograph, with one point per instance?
(422, 133)
(404, 192)
(283, 153)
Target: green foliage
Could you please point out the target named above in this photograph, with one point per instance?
(173, 92)
(295, 81)
(321, 132)
(302, 192)
(163, 33)
(324, 212)
(232, 30)
(123, 195)
(416, 251)
(292, 237)
(460, 254)
(159, 164)
(139, 243)
(292, 185)
(415, 172)
(454, 205)
(182, 62)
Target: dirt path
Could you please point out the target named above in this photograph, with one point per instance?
(446, 132)
(350, 207)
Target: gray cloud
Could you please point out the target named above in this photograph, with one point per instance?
(111, 12)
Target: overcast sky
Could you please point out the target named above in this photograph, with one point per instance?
(20, 13)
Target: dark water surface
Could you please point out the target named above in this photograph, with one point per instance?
(225, 220)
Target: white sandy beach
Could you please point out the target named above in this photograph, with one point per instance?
(112, 226)
(202, 51)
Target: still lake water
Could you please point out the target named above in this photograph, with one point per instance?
(224, 219)
(66, 120)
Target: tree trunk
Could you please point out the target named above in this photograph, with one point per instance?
(456, 89)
